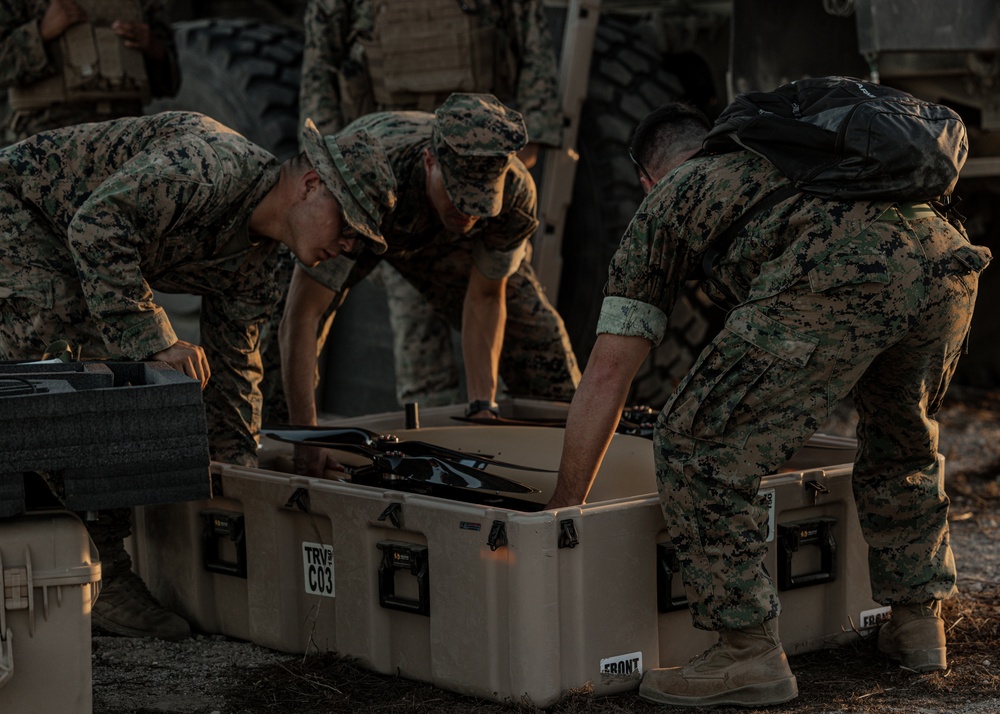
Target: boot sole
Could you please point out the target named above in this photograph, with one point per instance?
(930, 660)
(109, 626)
(753, 695)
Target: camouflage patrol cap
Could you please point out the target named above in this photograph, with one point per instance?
(475, 137)
(355, 168)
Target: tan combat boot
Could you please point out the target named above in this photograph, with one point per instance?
(125, 606)
(914, 636)
(744, 668)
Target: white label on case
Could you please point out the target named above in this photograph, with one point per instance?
(870, 619)
(317, 569)
(627, 665)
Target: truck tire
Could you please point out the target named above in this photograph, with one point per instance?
(627, 81)
(243, 73)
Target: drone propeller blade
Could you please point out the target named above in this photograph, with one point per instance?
(503, 421)
(433, 470)
(343, 439)
(477, 461)
(415, 460)
(327, 437)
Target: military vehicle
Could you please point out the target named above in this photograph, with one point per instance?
(618, 60)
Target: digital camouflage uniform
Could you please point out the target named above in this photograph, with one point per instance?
(832, 298)
(26, 60)
(537, 357)
(337, 88)
(94, 217)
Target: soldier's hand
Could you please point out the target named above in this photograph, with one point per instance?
(187, 358)
(139, 36)
(315, 462)
(59, 17)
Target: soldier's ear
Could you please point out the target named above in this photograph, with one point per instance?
(310, 182)
(429, 160)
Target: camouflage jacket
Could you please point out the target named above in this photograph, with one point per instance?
(497, 243)
(333, 27)
(686, 211)
(25, 59)
(160, 202)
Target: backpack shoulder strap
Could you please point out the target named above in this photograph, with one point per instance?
(725, 239)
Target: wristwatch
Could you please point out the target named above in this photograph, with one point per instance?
(480, 405)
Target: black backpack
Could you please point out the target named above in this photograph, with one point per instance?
(841, 137)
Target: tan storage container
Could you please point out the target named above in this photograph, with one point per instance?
(514, 605)
(192, 557)
(50, 579)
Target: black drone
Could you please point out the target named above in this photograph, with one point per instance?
(416, 466)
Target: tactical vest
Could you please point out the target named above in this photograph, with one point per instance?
(96, 65)
(421, 52)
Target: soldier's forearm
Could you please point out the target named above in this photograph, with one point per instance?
(484, 315)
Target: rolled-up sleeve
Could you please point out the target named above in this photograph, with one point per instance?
(623, 316)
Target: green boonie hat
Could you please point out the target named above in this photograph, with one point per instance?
(355, 168)
(475, 137)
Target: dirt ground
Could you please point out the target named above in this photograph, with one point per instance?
(215, 675)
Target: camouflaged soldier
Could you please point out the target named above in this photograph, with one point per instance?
(465, 212)
(72, 61)
(831, 298)
(363, 56)
(94, 217)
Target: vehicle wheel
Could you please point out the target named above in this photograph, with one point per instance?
(627, 81)
(243, 73)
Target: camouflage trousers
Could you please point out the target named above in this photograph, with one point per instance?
(427, 370)
(769, 380)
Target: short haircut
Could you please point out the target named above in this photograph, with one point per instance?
(671, 129)
(300, 163)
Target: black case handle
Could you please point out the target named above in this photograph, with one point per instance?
(796, 534)
(403, 556)
(219, 525)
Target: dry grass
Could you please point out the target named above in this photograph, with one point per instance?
(851, 679)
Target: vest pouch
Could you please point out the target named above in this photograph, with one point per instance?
(428, 48)
(121, 73)
(79, 47)
(96, 64)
